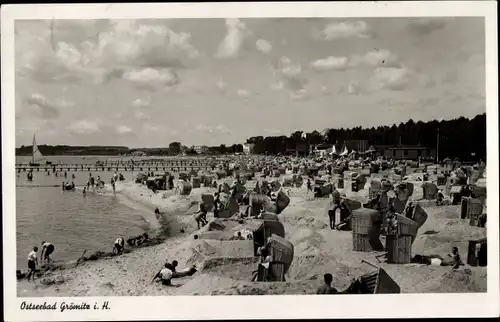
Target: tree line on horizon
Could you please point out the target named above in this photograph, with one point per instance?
(458, 138)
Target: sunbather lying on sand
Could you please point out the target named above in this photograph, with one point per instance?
(436, 260)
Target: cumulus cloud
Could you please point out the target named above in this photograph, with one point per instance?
(221, 85)
(84, 127)
(272, 131)
(140, 103)
(277, 86)
(425, 26)
(213, 130)
(376, 58)
(288, 75)
(344, 30)
(151, 127)
(330, 63)
(353, 88)
(450, 76)
(236, 32)
(299, 95)
(119, 46)
(45, 108)
(391, 78)
(150, 78)
(123, 129)
(222, 129)
(141, 116)
(243, 93)
(263, 46)
(428, 101)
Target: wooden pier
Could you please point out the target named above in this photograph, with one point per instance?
(168, 166)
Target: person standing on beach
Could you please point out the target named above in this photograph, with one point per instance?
(32, 263)
(113, 185)
(201, 216)
(48, 248)
(84, 191)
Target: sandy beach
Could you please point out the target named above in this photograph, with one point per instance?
(225, 268)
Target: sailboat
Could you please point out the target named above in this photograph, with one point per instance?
(36, 154)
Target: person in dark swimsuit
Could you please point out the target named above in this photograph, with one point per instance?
(48, 248)
(327, 287)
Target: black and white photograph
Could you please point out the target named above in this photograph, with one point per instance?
(231, 154)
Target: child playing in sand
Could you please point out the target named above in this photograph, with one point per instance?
(48, 248)
(32, 263)
(119, 246)
(166, 276)
(201, 216)
(456, 258)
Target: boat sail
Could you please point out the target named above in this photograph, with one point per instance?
(36, 154)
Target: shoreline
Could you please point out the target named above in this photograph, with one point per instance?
(317, 250)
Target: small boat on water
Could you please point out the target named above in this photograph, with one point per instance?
(36, 155)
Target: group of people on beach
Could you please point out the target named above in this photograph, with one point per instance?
(47, 250)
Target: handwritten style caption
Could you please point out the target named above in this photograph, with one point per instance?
(65, 306)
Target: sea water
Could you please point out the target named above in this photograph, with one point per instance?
(71, 221)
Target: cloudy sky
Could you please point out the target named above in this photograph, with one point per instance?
(146, 83)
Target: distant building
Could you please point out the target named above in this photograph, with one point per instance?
(201, 149)
(248, 148)
(407, 152)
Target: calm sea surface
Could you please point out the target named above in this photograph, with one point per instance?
(69, 220)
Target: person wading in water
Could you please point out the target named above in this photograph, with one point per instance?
(49, 249)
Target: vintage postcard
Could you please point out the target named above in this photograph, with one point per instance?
(174, 161)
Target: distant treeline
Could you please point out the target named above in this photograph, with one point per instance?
(72, 150)
(458, 138)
